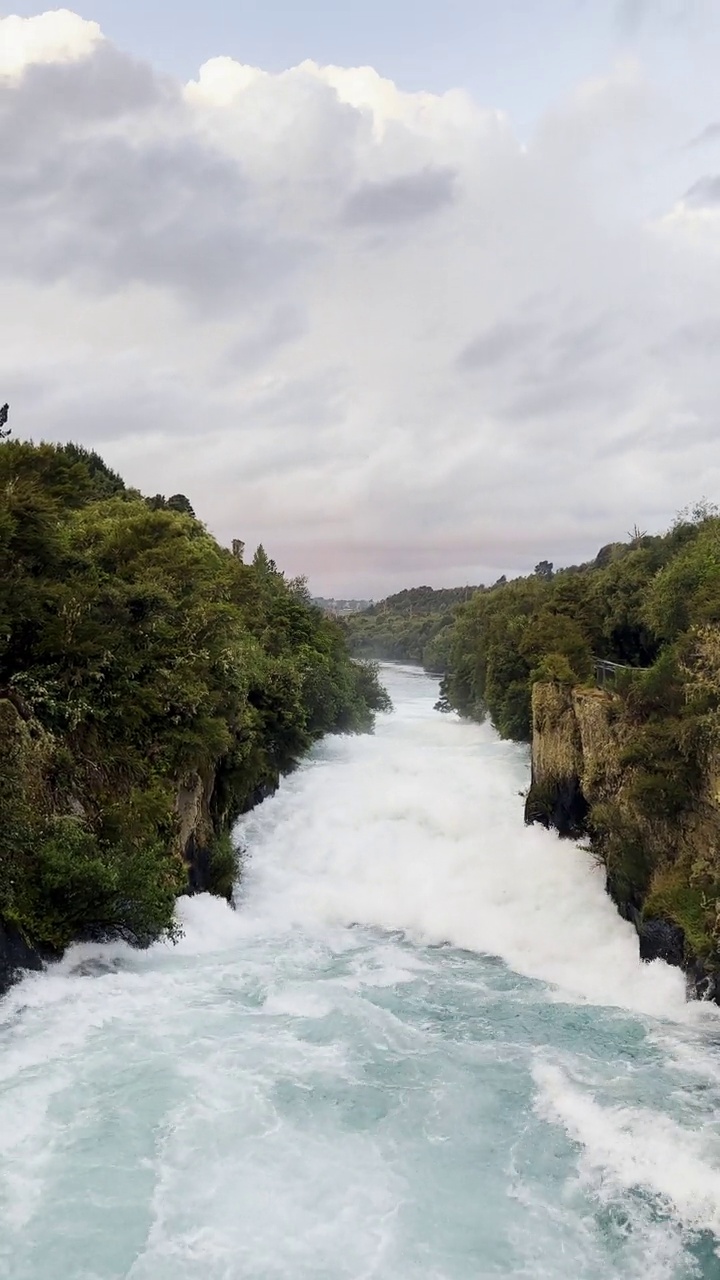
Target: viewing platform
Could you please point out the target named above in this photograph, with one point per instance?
(607, 672)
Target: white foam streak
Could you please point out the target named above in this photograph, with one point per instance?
(633, 1149)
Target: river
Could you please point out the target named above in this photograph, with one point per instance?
(423, 1048)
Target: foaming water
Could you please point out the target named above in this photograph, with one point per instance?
(423, 1048)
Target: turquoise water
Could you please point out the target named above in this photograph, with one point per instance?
(422, 1049)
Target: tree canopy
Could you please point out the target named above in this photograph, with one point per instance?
(135, 653)
(629, 605)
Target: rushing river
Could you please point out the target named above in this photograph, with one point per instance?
(422, 1049)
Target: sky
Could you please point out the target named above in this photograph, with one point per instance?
(409, 292)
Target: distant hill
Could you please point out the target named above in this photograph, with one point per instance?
(410, 626)
(414, 601)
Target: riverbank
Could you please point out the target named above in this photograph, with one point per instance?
(153, 687)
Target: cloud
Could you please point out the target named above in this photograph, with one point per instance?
(54, 37)
(106, 182)
(707, 136)
(705, 193)
(367, 327)
(632, 15)
(400, 200)
(504, 341)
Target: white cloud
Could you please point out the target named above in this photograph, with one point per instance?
(368, 327)
(222, 82)
(56, 36)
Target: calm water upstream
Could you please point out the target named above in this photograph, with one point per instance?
(422, 1049)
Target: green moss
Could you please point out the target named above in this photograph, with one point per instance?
(662, 795)
(224, 867)
(622, 847)
(673, 897)
(540, 803)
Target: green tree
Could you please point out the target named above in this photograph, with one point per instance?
(138, 657)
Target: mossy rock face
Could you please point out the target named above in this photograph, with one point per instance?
(559, 804)
(623, 848)
(599, 719)
(673, 897)
(539, 804)
(556, 747)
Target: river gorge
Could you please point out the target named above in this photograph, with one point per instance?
(422, 1048)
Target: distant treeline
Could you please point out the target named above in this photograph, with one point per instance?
(412, 626)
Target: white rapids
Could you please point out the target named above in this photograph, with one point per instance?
(423, 1048)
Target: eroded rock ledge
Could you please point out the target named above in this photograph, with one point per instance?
(661, 873)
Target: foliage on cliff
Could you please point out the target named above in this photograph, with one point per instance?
(650, 772)
(412, 626)
(135, 653)
(630, 605)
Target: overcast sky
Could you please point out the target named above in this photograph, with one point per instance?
(411, 292)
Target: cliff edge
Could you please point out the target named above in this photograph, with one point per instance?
(652, 818)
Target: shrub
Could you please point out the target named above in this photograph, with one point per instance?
(71, 886)
(624, 851)
(554, 667)
(674, 897)
(224, 866)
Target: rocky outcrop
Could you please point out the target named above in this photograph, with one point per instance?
(206, 810)
(16, 956)
(556, 798)
(195, 829)
(576, 747)
(662, 868)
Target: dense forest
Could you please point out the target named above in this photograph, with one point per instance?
(641, 603)
(152, 688)
(412, 626)
(650, 741)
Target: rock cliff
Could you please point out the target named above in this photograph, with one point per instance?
(206, 809)
(662, 860)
